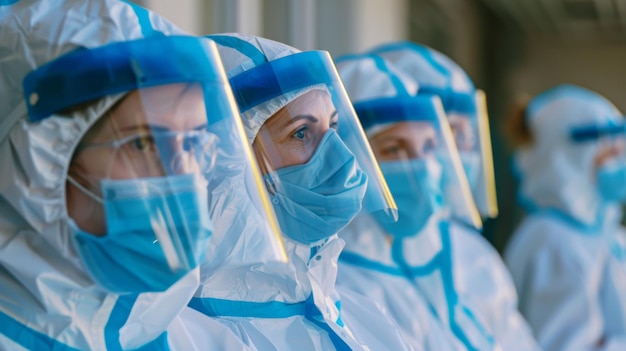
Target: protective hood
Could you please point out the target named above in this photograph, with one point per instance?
(411, 137)
(369, 77)
(465, 107)
(557, 172)
(48, 300)
(242, 52)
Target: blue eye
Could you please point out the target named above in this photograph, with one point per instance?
(300, 133)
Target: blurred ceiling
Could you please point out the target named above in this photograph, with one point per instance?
(589, 18)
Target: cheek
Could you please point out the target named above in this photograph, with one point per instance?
(291, 156)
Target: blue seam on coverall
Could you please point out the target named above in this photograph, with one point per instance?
(28, 338)
(360, 261)
(117, 319)
(214, 307)
(451, 295)
(442, 262)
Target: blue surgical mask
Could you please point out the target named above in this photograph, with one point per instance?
(471, 166)
(158, 230)
(612, 181)
(315, 200)
(415, 187)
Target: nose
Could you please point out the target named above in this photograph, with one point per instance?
(179, 160)
(414, 150)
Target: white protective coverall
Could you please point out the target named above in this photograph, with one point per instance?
(480, 275)
(566, 257)
(48, 301)
(411, 276)
(276, 306)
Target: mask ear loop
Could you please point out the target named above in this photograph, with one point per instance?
(84, 190)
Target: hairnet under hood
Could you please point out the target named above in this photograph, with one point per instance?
(47, 299)
(555, 172)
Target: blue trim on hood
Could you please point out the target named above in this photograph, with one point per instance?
(8, 2)
(143, 16)
(244, 47)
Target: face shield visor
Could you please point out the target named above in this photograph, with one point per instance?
(314, 156)
(467, 115)
(610, 161)
(143, 182)
(413, 143)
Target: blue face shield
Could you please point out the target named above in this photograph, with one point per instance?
(417, 194)
(612, 181)
(317, 199)
(157, 231)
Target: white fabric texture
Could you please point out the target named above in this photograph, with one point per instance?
(566, 278)
(397, 294)
(565, 256)
(482, 278)
(46, 296)
(232, 281)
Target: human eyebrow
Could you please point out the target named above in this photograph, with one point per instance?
(156, 128)
(310, 118)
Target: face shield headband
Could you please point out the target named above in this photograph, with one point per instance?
(87, 74)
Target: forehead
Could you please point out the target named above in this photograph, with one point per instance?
(407, 130)
(312, 102)
(174, 106)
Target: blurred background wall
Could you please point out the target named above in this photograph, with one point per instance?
(509, 47)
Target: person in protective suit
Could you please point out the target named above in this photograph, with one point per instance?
(316, 166)
(112, 123)
(406, 266)
(567, 255)
(480, 275)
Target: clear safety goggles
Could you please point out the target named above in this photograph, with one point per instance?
(414, 130)
(177, 120)
(152, 153)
